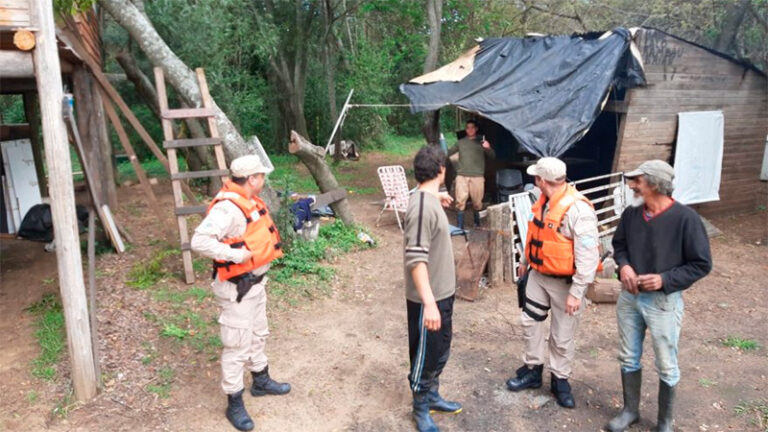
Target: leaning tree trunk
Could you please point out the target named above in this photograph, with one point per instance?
(198, 157)
(431, 127)
(179, 75)
(314, 158)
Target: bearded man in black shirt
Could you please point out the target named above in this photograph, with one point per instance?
(661, 248)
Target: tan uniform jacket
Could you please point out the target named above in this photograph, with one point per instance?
(580, 224)
(225, 220)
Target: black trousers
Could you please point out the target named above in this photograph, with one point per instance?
(429, 351)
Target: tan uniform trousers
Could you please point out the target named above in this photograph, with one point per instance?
(469, 188)
(244, 332)
(552, 292)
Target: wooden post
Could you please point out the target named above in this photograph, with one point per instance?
(93, 131)
(496, 261)
(32, 115)
(69, 261)
(507, 243)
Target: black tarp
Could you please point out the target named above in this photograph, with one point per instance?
(546, 90)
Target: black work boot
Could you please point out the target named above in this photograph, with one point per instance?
(630, 414)
(562, 391)
(525, 378)
(236, 413)
(460, 219)
(476, 215)
(438, 404)
(666, 404)
(264, 385)
(424, 422)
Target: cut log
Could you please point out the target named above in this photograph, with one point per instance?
(314, 158)
(604, 290)
(24, 40)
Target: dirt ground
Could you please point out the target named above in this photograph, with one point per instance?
(345, 354)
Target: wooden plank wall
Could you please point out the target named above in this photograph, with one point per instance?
(14, 14)
(683, 77)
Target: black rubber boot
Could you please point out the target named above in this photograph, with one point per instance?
(264, 385)
(236, 413)
(526, 378)
(476, 215)
(424, 422)
(438, 404)
(460, 219)
(630, 414)
(666, 405)
(562, 391)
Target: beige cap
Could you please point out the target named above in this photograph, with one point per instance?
(657, 168)
(548, 168)
(248, 165)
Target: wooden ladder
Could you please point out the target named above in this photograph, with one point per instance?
(170, 144)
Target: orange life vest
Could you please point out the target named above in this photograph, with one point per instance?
(548, 251)
(260, 237)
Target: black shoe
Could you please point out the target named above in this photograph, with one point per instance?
(424, 422)
(526, 378)
(236, 413)
(264, 385)
(630, 414)
(460, 219)
(666, 404)
(562, 391)
(438, 404)
(476, 215)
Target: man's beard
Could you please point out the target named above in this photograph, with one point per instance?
(637, 200)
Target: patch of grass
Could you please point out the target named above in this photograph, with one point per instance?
(147, 274)
(301, 271)
(149, 353)
(66, 404)
(401, 145)
(706, 383)
(757, 409)
(362, 190)
(176, 297)
(49, 332)
(162, 385)
(32, 396)
(49, 281)
(195, 330)
(153, 168)
(740, 343)
(201, 265)
(173, 331)
(286, 175)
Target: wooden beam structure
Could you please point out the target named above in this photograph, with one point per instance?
(68, 257)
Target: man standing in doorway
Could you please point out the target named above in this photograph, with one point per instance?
(562, 252)
(430, 285)
(239, 235)
(661, 248)
(470, 179)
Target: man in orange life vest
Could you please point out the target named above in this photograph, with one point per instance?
(239, 235)
(562, 252)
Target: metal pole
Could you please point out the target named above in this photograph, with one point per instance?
(339, 120)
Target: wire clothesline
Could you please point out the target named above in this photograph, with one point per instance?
(393, 105)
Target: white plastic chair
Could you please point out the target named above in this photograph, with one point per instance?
(395, 187)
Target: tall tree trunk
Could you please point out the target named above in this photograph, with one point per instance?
(179, 75)
(730, 27)
(431, 127)
(330, 72)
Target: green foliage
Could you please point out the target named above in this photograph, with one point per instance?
(12, 109)
(161, 386)
(72, 7)
(146, 274)
(706, 383)
(288, 177)
(401, 145)
(49, 333)
(303, 271)
(740, 343)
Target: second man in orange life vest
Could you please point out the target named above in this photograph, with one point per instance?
(562, 252)
(239, 235)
